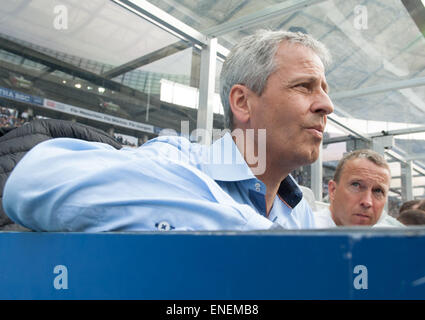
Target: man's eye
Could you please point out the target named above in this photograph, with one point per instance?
(355, 186)
(378, 191)
(304, 86)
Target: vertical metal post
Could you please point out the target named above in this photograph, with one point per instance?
(317, 176)
(206, 89)
(195, 68)
(380, 144)
(148, 102)
(406, 181)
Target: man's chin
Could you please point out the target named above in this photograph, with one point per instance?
(313, 156)
(361, 220)
(304, 157)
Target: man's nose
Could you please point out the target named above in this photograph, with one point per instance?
(366, 200)
(322, 103)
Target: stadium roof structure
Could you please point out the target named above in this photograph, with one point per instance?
(132, 49)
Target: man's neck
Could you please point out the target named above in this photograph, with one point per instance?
(272, 176)
(272, 183)
(336, 221)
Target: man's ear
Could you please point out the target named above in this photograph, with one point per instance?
(238, 100)
(331, 189)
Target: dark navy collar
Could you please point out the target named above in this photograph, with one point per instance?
(289, 191)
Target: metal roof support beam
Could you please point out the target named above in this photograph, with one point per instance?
(377, 134)
(398, 132)
(342, 126)
(396, 191)
(169, 23)
(163, 20)
(391, 153)
(56, 64)
(420, 156)
(402, 159)
(338, 139)
(146, 59)
(411, 83)
(395, 156)
(418, 169)
(414, 176)
(414, 187)
(259, 17)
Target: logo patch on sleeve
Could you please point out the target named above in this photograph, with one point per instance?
(164, 226)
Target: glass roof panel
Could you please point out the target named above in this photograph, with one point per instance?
(204, 14)
(380, 48)
(97, 30)
(380, 41)
(405, 106)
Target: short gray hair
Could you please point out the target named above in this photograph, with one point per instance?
(368, 154)
(251, 62)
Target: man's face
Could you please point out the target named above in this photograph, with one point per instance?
(293, 107)
(360, 195)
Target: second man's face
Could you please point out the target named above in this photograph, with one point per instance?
(360, 195)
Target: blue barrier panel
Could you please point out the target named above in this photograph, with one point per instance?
(339, 264)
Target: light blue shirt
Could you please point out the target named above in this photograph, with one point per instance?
(168, 183)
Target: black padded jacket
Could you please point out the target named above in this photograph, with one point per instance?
(16, 142)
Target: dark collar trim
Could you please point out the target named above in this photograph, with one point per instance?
(289, 192)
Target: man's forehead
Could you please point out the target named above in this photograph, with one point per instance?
(366, 169)
(298, 52)
(298, 61)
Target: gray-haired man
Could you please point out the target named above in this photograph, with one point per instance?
(275, 97)
(276, 81)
